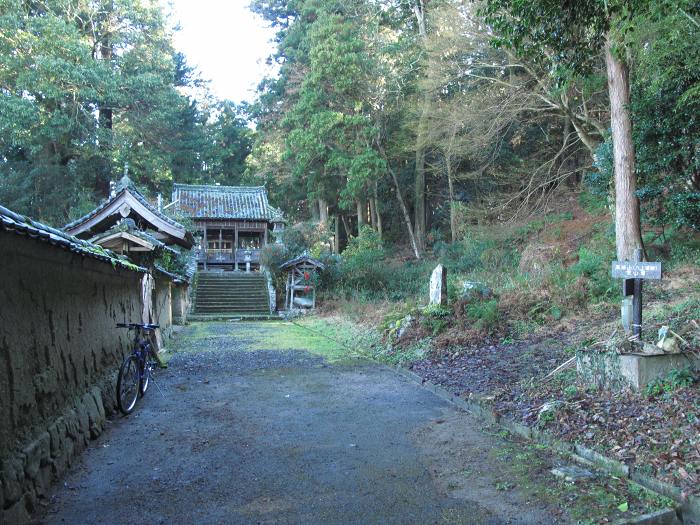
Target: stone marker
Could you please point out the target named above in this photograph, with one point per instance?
(438, 285)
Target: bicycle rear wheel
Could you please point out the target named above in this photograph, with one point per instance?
(149, 364)
(128, 384)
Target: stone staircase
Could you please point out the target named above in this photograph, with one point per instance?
(231, 294)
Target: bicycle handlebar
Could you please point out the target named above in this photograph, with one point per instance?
(131, 326)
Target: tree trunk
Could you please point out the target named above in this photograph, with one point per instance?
(419, 180)
(348, 229)
(313, 210)
(402, 204)
(105, 121)
(323, 212)
(361, 215)
(453, 204)
(378, 214)
(336, 240)
(628, 235)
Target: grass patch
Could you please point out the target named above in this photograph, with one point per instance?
(598, 499)
(308, 336)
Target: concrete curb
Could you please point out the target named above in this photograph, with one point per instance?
(688, 510)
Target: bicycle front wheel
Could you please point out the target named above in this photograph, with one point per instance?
(128, 385)
(149, 364)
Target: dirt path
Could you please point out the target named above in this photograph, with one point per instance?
(252, 429)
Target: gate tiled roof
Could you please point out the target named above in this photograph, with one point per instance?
(225, 202)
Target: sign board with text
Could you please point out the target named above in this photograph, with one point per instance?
(636, 270)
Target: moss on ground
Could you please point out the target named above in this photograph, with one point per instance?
(315, 337)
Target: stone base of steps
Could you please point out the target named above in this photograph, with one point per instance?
(231, 317)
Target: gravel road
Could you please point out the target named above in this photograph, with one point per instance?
(282, 436)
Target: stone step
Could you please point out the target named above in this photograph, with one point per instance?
(231, 285)
(232, 316)
(232, 310)
(250, 304)
(232, 277)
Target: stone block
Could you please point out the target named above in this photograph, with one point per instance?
(57, 433)
(72, 425)
(97, 396)
(82, 409)
(42, 482)
(641, 370)
(37, 452)
(62, 462)
(633, 370)
(12, 475)
(17, 514)
(438, 285)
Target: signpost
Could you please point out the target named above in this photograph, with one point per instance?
(634, 272)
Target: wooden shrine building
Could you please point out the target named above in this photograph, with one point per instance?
(127, 222)
(302, 272)
(233, 223)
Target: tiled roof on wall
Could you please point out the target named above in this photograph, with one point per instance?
(20, 225)
(225, 202)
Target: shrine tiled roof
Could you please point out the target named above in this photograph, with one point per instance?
(225, 202)
(304, 258)
(20, 225)
(125, 185)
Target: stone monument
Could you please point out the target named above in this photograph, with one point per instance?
(438, 285)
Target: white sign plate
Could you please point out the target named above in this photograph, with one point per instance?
(636, 270)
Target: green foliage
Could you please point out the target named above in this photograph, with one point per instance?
(435, 317)
(88, 87)
(666, 102)
(594, 266)
(485, 313)
(676, 379)
(476, 253)
(363, 262)
(174, 263)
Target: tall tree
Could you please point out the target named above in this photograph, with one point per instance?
(571, 36)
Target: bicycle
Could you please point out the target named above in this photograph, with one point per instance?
(136, 372)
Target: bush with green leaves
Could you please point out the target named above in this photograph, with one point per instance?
(362, 262)
(676, 379)
(485, 313)
(435, 317)
(666, 104)
(476, 253)
(594, 266)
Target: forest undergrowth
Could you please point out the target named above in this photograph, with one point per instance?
(540, 293)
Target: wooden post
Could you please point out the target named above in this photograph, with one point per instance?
(206, 245)
(235, 246)
(336, 243)
(637, 299)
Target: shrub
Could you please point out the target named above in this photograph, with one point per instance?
(675, 380)
(485, 313)
(362, 260)
(594, 266)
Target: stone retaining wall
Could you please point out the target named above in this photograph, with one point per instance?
(59, 356)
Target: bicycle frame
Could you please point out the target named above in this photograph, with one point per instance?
(135, 373)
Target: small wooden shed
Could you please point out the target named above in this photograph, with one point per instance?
(301, 286)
